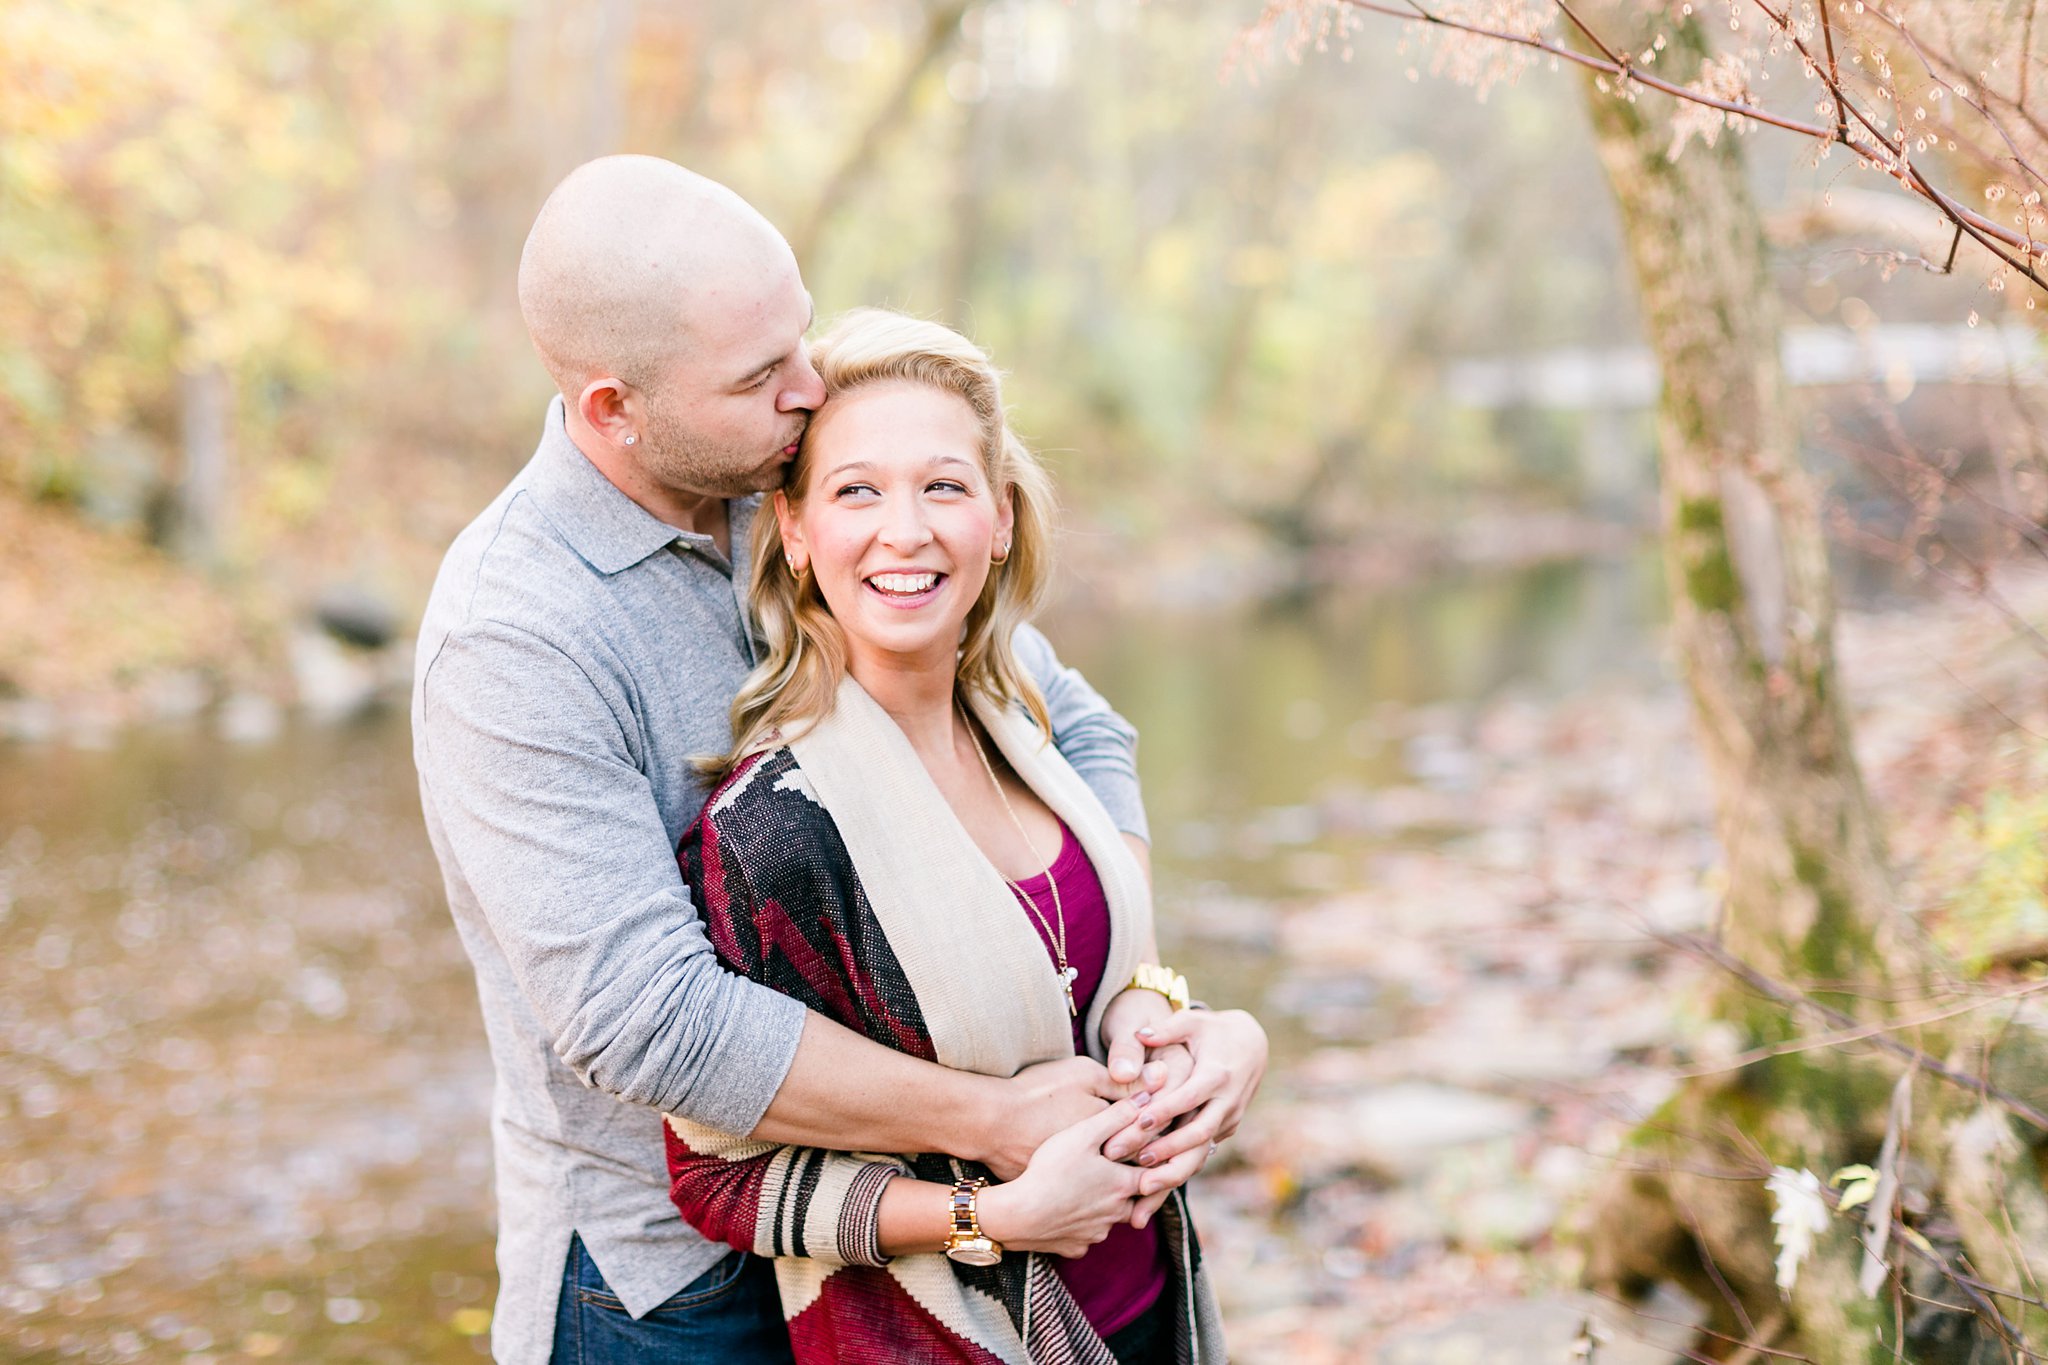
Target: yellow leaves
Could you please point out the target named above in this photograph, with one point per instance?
(1373, 209)
(102, 391)
(29, 172)
(291, 493)
(1256, 265)
(176, 186)
(1996, 858)
(1171, 264)
(470, 1322)
(77, 71)
(52, 72)
(1858, 1185)
(237, 296)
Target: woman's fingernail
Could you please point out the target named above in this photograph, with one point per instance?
(1142, 1098)
(1147, 1159)
(1145, 1121)
(1145, 1032)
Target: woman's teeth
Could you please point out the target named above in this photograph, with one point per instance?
(903, 584)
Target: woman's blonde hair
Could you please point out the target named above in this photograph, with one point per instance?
(805, 655)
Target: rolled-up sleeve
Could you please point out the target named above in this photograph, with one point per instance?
(556, 830)
(1098, 743)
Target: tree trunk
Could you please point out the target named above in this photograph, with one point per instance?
(568, 82)
(205, 427)
(1752, 609)
(974, 163)
(941, 30)
(1809, 895)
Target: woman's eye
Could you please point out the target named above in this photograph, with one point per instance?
(855, 490)
(947, 486)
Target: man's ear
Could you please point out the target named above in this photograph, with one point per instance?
(608, 408)
(792, 534)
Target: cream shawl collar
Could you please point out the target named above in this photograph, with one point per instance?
(983, 980)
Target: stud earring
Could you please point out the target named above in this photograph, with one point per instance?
(632, 440)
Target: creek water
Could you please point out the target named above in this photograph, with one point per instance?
(243, 1085)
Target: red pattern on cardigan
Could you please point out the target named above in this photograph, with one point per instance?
(783, 906)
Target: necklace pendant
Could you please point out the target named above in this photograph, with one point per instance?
(1067, 977)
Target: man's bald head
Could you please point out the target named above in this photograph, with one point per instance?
(624, 258)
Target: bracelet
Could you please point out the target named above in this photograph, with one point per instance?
(1151, 976)
(860, 1219)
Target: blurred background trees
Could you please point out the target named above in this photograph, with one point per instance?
(256, 260)
(255, 263)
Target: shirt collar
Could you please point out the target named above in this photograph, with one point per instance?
(608, 529)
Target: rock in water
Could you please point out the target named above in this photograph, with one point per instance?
(356, 616)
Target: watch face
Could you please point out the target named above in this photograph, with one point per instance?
(975, 1251)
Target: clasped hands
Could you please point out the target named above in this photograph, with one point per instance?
(1178, 1083)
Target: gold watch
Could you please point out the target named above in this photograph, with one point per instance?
(1150, 976)
(967, 1243)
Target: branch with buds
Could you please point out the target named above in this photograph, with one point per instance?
(1814, 37)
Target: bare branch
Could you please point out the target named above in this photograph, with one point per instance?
(1787, 995)
(1902, 168)
(1953, 77)
(1773, 1328)
(1713, 1267)
(1611, 68)
(1621, 63)
(1827, 30)
(1970, 1286)
(1860, 1033)
(1882, 154)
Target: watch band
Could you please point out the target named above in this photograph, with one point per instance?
(967, 1243)
(965, 1221)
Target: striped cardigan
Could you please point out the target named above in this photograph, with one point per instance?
(832, 870)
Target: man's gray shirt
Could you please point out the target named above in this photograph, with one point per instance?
(577, 654)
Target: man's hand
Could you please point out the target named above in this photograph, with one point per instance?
(1069, 1198)
(1036, 1103)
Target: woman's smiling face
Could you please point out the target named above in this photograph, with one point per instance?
(897, 519)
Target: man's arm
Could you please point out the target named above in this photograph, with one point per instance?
(556, 830)
(1098, 743)
(845, 1091)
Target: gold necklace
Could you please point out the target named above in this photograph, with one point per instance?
(1067, 973)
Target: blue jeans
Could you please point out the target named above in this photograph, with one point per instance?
(729, 1315)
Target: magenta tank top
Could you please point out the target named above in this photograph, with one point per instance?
(1124, 1274)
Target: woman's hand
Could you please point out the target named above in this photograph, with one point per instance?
(1128, 1059)
(1070, 1196)
(1229, 1051)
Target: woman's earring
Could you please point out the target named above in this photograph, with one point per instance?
(633, 440)
(1000, 558)
(794, 571)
